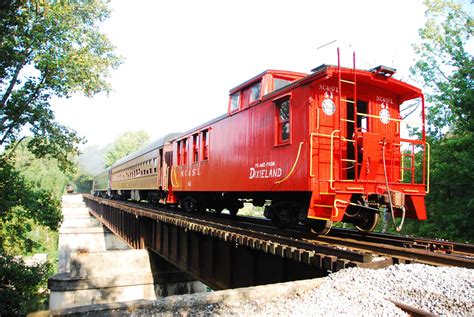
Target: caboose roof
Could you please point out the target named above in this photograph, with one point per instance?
(274, 72)
(370, 77)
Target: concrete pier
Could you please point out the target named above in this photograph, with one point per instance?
(97, 267)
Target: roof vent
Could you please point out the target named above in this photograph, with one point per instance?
(321, 67)
(383, 71)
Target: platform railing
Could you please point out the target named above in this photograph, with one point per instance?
(400, 148)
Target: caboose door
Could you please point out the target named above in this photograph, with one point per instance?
(356, 124)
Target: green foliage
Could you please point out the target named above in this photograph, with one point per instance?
(124, 145)
(446, 68)
(21, 206)
(22, 287)
(41, 173)
(49, 48)
(83, 183)
(451, 201)
(28, 214)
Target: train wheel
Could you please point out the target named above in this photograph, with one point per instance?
(233, 206)
(277, 222)
(368, 222)
(233, 210)
(189, 204)
(320, 227)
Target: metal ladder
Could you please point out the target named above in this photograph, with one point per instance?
(342, 139)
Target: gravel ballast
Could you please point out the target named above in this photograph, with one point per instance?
(358, 292)
(444, 291)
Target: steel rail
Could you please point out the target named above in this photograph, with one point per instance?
(420, 250)
(343, 243)
(410, 254)
(413, 249)
(250, 235)
(434, 245)
(423, 250)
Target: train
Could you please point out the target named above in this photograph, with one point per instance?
(313, 149)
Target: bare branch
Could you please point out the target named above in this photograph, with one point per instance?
(10, 152)
(37, 89)
(5, 136)
(14, 79)
(441, 72)
(12, 84)
(22, 107)
(411, 105)
(413, 110)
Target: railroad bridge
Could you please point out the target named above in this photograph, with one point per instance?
(224, 255)
(221, 251)
(217, 254)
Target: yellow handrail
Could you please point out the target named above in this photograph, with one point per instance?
(172, 178)
(311, 155)
(317, 121)
(294, 165)
(311, 149)
(331, 180)
(402, 169)
(335, 206)
(391, 119)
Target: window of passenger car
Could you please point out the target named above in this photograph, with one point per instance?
(184, 151)
(205, 144)
(178, 152)
(283, 120)
(195, 148)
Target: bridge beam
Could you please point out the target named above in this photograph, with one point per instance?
(216, 261)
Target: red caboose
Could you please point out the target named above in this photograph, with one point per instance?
(319, 148)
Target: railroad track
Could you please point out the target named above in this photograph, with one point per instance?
(432, 245)
(342, 248)
(400, 248)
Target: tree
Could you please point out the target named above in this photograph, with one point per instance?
(21, 206)
(82, 182)
(49, 48)
(41, 173)
(447, 71)
(125, 144)
(20, 286)
(446, 67)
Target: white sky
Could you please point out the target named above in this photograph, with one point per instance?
(182, 57)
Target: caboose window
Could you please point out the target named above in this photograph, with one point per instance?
(283, 126)
(250, 95)
(280, 83)
(234, 101)
(254, 92)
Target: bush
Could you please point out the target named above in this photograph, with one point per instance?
(23, 288)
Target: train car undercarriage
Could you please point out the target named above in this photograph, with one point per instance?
(284, 209)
